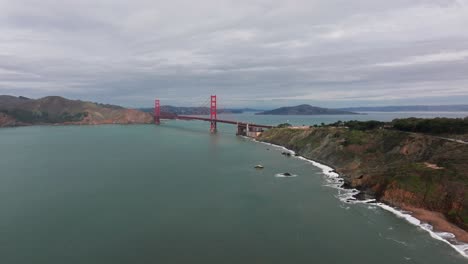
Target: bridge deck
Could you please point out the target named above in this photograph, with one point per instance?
(233, 122)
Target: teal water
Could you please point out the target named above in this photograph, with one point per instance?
(176, 194)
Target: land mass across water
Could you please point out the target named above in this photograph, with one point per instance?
(305, 109)
(22, 111)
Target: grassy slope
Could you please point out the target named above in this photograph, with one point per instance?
(390, 165)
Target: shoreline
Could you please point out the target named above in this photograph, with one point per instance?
(438, 222)
(432, 222)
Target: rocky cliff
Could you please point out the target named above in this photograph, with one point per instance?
(398, 168)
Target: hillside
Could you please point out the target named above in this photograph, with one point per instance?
(20, 111)
(406, 170)
(305, 110)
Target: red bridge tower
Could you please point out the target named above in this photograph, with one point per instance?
(213, 114)
(157, 112)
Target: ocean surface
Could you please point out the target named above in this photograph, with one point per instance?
(176, 194)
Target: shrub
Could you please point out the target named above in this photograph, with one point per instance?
(432, 126)
(284, 125)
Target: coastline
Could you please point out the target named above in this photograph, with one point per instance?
(433, 223)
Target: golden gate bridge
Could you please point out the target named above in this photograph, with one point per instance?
(243, 128)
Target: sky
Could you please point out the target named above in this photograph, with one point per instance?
(255, 53)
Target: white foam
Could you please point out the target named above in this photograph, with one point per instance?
(348, 196)
(442, 236)
(446, 235)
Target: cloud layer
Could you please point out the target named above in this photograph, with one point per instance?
(250, 53)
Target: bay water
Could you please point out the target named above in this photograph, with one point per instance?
(176, 194)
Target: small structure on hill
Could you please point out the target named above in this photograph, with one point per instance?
(249, 131)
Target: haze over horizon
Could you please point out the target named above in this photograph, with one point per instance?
(259, 54)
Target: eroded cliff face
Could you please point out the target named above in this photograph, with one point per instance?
(398, 168)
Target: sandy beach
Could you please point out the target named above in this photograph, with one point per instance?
(438, 222)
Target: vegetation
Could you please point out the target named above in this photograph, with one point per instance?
(44, 117)
(284, 125)
(359, 125)
(432, 126)
(418, 125)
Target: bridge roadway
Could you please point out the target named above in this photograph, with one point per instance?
(181, 117)
(207, 119)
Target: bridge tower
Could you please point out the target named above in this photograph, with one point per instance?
(213, 114)
(157, 112)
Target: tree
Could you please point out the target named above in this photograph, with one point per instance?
(284, 125)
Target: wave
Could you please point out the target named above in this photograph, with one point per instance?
(334, 180)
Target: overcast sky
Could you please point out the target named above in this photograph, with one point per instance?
(256, 53)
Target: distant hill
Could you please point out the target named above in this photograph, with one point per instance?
(305, 110)
(17, 111)
(410, 108)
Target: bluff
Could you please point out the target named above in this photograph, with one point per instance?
(21, 111)
(399, 168)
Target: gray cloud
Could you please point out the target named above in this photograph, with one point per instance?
(255, 53)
